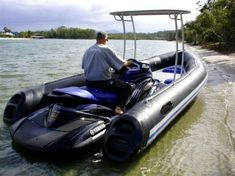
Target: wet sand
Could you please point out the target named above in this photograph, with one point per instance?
(223, 62)
(225, 65)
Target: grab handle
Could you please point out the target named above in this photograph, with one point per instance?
(166, 107)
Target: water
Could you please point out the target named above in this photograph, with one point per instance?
(199, 142)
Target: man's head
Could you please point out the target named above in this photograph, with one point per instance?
(101, 37)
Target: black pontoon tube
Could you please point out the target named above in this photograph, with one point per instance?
(26, 101)
(139, 126)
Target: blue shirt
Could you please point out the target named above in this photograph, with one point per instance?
(98, 61)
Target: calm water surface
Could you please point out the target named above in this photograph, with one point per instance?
(199, 142)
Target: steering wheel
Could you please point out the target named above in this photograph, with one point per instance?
(134, 64)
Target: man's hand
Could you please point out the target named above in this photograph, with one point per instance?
(128, 63)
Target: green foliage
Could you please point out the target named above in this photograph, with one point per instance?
(216, 23)
(77, 33)
(6, 29)
(62, 32)
(162, 35)
(26, 34)
(70, 33)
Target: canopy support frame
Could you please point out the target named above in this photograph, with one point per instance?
(176, 15)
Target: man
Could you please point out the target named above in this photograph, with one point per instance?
(98, 63)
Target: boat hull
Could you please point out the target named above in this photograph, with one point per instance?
(136, 129)
(124, 136)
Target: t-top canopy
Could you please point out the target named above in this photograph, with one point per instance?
(149, 12)
(176, 15)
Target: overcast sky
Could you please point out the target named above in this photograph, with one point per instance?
(21, 15)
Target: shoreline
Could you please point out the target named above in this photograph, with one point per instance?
(224, 62)
(2, 38)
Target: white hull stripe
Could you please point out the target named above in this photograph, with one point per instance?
(156, 130)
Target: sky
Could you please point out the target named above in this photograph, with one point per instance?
(23, 15)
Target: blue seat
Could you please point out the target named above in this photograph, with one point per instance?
(171, 69)
(89, 93)
(168, 81)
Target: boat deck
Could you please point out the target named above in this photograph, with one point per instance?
(166, 75)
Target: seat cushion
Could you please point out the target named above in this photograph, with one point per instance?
(171, 69)
(89, 93)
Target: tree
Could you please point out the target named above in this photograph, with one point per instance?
(205, 5)
(216, 23)
(6, 29)
(224, 12)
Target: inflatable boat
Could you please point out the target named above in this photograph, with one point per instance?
(68, 115)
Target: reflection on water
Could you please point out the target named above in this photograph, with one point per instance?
(199, 142)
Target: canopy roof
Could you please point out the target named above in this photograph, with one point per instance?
(149, 12)
(176, 15)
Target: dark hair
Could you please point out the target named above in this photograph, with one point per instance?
(101, 35)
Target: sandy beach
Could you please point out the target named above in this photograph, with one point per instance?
(223, 62)
(15, 38)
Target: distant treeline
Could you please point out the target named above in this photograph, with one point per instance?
(162, 35)
(62, 33)
(78, 33)
(216, 23)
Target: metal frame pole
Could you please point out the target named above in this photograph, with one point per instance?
(182, 31)
(124, 32)
(133, 25)
(177, 43)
